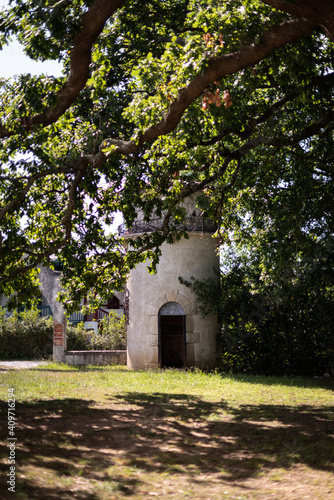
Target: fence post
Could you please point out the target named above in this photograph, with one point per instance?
(59, 340)
(50, 288)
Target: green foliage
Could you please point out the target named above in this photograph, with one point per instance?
(269, 326)
(112, 333)
(77, 337)
(138, 134)
(25, 335)
(110, 336)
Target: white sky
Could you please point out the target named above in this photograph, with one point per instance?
(13, 61)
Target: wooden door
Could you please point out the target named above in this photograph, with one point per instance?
(172, 341)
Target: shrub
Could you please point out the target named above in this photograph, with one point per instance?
(25, 335)
(111, 335)
(271, 328)
(78, 338)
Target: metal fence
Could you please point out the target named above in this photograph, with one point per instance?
(190, 224)
(76, 318)
(44, 311)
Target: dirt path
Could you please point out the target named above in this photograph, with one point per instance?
(19, 365)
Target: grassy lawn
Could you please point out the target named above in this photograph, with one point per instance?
(106, 433)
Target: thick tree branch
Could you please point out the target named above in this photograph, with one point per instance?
(93, 23)
(218, 67)
(319, 11)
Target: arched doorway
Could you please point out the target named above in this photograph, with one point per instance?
(172, 336)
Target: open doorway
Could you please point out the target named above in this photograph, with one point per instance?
(172, 333)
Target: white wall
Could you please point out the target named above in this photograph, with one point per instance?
(196, 256)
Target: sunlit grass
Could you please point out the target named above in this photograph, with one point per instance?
(97, 382)
(101, 433)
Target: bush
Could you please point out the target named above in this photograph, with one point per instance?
(111, 335)
(292, 338)
(78, 338)
(271, 329)
(25, 335)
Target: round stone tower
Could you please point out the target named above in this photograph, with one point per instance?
(164, 328)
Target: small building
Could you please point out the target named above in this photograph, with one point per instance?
(165, 330)
(164, 327)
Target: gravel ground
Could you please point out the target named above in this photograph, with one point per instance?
(19, 365)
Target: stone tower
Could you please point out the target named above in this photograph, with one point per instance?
(164, 328)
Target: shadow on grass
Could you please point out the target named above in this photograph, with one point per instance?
(80, 445)
(307, 383)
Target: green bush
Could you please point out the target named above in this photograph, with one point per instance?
(274, 328)
(294, 337)
(78, 338)
(25, 335)
(111, 335)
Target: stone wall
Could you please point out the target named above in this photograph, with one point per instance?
(50, 288)
(95, 357)
(196, 256)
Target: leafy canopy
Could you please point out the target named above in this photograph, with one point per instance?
(159, 100)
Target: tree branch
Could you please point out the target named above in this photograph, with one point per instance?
(287, 98)
(92, 25)
(315, 128)
(30, 182)
(319, 11)
(237, 154)
(218, 67)
(328, 78)
(20, 197)
(66, 222)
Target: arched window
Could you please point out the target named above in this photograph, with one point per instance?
(171, 309)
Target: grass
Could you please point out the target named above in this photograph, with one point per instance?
(107, 433)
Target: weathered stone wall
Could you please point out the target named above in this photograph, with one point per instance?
(196, 256)
(50, 287)
(95, 357)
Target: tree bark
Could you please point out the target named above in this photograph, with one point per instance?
(319, 11)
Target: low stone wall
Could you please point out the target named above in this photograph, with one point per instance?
(95, 357)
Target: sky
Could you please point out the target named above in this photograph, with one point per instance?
(13, 61)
